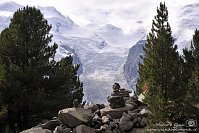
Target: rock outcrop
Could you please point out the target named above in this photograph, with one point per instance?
(124, 115)
(73, 117)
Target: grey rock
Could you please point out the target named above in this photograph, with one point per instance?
(62, 129)
(36, 130)
(110, 118)
(106, 127)
(51, 124)
(124, 93)
(135, 120)
(97, 112)
(132, 115)
(125, 123)
(125, 117)
(116, 102)
(105, 119)
(134, 111)
(143, 122)
(133, 100)
(116, 131)
(92, 107)
(115, 93)
(96, 118)
(139, 120)
(115, 113)
(84, 129)
(117, 121)
(116, 87)
(73, 117)
(113, 125)
(97, 126)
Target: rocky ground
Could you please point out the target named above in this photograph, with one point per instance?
(124, 114)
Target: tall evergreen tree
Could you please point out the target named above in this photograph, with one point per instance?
(34, 84)
(161, 71)
(191, 65)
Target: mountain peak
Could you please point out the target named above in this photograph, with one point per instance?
(192, 5)
(10, 6)
(110, 28)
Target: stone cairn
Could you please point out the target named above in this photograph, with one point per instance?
(118, 97)
(124, 114)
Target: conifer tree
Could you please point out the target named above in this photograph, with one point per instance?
(191, 65)
(160, 71)
(34, 84)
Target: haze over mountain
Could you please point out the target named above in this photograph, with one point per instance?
(102, 48)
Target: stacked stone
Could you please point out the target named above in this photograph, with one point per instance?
(125, 94)
(118, 97)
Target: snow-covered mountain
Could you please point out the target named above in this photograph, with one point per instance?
(131, 65)
(188, 21)
(102, 50)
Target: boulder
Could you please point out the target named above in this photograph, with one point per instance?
(125, 117)
(84, 129)
(116, 102)
(115, 113)
(62, 129)
(125, 123)
(73, 117)
(51, 124)
(36, 130)
(125, 126)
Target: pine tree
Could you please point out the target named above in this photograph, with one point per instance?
(191, 65)
(34, 84)
(161, 71)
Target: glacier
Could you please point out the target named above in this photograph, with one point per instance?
(105, 53)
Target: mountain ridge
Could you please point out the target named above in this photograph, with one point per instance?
(103, 52)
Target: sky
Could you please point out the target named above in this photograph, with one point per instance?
(122, 13)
